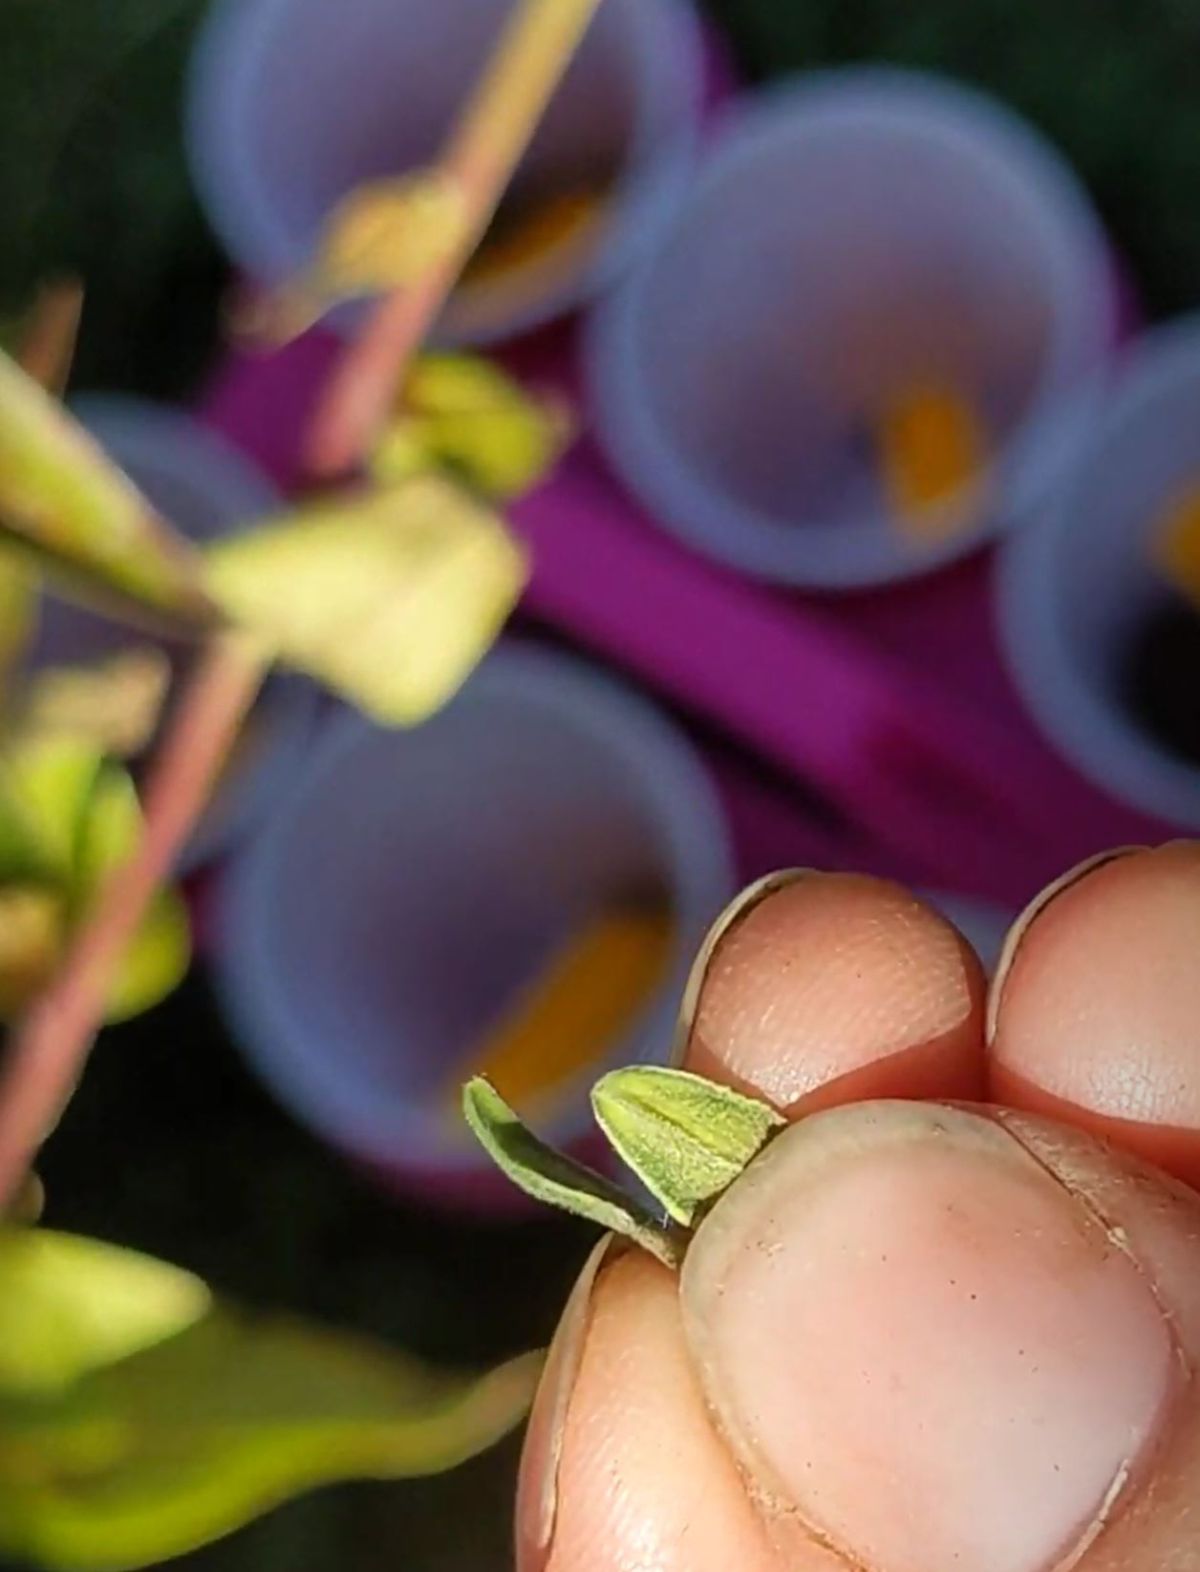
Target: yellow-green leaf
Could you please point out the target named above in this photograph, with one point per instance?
(67, 819)
(18, 614)
(66, 503)
(390, 596)
(114, 703)
(109, 832)
(556, 1179)
(156, 961)
(70, 1305)
(405, 448)
(32, 924)
(382, 236)
(390, 232)
(46, 784)
(186, 1441)
(686, 1138)
(35, 921)
(466, 413)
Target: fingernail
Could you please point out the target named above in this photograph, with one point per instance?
(537, 1491)
(737, 911)
(1019, 931)
(922, 1343)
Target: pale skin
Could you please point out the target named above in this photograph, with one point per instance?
(914, 1337)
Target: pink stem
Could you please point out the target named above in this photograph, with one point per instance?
(48, 1046)
(479, 159)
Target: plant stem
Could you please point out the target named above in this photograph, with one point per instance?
(46, 1052)
(484, 149)
(47, 1048)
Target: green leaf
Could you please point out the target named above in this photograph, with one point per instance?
(390, 596)
(184, 1441)
(67, 820)
(406, 448)
(549, 1176)
(463, 412)
(18, 614)
(46, 784)
(32, 923)
(686, 1138)
(156, 961)
(114, 703)
(63, 501)
(45, 787)
(383, 235)
(390, 232)
(69, 1305)
(109, 830)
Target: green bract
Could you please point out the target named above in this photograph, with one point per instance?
(686, 1138)
(560, 1181)
(68, 818)
(467, 415)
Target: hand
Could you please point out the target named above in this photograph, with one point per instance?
(913, 1337)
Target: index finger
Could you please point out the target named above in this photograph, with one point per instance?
(816, 989)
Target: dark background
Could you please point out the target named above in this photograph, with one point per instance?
(92, 175)
(169, 1145)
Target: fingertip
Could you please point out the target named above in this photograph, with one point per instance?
(834, 987)
(1093, 1016)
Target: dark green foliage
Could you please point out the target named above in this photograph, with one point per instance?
(169, 1147)
(92, 174)
(1116, 84)
(93, 181)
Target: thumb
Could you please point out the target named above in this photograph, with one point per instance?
(948, 1341)
(911, 1338)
